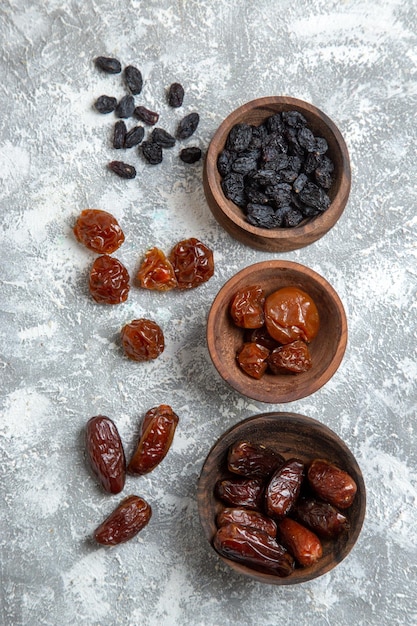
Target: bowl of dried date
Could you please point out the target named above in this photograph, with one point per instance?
(281, 498)
(277, 174)
(276, 331)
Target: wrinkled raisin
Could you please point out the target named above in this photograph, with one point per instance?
(145, 115)
(109, 280)
(119, 135)
(105, 104)
(124, 170)
(133, 79)
(175, 95)
(190, 155)
(162, 137)
(188, 125)
(99, 231)
(134, 136)
(108, 65)
(239, 137)
(125, 107)
(152, 152)
(156, 272)
(193, 263)
(293, 358)
(252, 359)
(247, 307)
(142, 340)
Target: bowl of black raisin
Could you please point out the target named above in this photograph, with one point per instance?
(277, 174)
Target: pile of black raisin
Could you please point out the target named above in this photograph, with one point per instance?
(158, 139)
(278, 173)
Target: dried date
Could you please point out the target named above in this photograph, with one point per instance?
(142, 340)
(110, 65)
(109, 280)
(133, 79)
(193, 263)
(156, 272)
(105, 453)
(122, 169)
(247, 517)
(301, 542)
(125, 522)
(323, 518)
(242, 492)
(253, 460)
(284, 488)
(155, 441)
(253, 548)
(331, 483)
(99, 231)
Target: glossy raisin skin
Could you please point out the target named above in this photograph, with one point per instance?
(105, 453)
(247, 307)
(99, 231)
(284, 488)
(125, 522)
(142, 340)
(242, 492)
(252, 359)
(293, 358)
(133, 79)
(105, 104)
(109, 280)
(290, 314)
(323, 518)
(192, 154)
(247, 517)
(155, 441)
(193, 263)
(109, 65)
(253, 548)
(146, 115)
(123, 170)
(188, 125)
(331, 483)
(175, 95)
(253, 460)
(301, 542)
(156, 272)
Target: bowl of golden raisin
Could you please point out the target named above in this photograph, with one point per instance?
(276, 331)
(281, 498)
(277, 174)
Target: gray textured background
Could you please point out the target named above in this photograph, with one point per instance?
(61, 361)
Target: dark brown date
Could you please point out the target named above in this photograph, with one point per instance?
(132, 514)
(109, 280)
(303, 544)
(331, 483)
(247, 517)
(284, 487)
(244, 492)
(105, 453)
(323, 518)
(253, 548)
(253, 460)
(155, 439)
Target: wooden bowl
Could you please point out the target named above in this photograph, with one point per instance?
(232, 218)
(224, 338)
(291, 435)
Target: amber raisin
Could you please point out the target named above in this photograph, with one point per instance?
(99, 231)
(109, 280)
(293, 358)
(142, 340)
(193, 263)
(252, 359)
(156, 272)
(247, 307)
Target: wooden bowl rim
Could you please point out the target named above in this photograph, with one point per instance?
(300, 575)
(311, 229)
(257, 392)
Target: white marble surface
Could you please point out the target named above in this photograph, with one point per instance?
(60, 358)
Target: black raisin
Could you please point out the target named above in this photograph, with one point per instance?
(224, 162)
(152, 152)
(108, 65)
(188, 125)
(299, 183)
(119, 135)
(293, 118)
(280, 194)
(145, 115)
(133, 79)
(274, 123)
(125, 107)
(105, 104)
(175, 95)
(306, 139)
(321, 145)
(134, 136)
(190, 155)
(262, 215)
(245, 163)
(239, 137)
(323, 178)
(292, 218)
(162, 138)
(314, 196)
(124, 170)
(233, 188)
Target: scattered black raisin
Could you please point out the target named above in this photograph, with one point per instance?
(125, 107)
(190, 155)
(133, 79)
(145, 115)
(105, 104)
(108, 65)
(119, 135)
(152, 152)
(124, 170)
(134, 136)
(188, 125)
(175, 95)
(162, 138)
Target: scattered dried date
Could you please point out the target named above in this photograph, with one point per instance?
(105, 453)
(331, 483)
(142, 340)
(99, 231)
(303, 544)
(155, 441)
(109, 280)
(125, 522)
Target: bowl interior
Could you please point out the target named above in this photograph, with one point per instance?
(224, 338)
(232, 217)
(290, 434)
